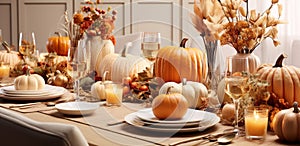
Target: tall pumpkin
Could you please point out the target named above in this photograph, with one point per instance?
(175, 63)
(99, 49)
(121, 65)
(284, 80)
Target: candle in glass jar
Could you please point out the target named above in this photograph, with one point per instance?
(4, 70)
(113, 93)
(256, 123)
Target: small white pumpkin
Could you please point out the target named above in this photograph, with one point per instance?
(29, 82)
(196, 93)
(9, 57)
(98, 88)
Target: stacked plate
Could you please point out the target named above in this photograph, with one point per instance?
(49, 92)
(193, 120)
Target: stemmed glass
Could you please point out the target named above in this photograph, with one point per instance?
(27, 45)
(236, 75)
(150, 44)
(78, 59)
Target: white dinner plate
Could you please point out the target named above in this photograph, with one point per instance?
(53, 92)
(210, 120)
(76, 108)
(191, 116)
(12, 90)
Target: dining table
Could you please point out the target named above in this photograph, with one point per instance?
(106, 125)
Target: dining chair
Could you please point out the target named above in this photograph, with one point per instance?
(17, 130)
(122, 40)
(295, 53)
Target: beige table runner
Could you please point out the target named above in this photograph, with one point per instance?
(103, 115)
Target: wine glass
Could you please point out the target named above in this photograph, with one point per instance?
(78, 59)
(27, 45)
(150, 44)
(236, 75)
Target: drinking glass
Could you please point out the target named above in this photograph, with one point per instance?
(150, 46)
(1, 37)
(78, 60)
(27, 45)
(236, 75)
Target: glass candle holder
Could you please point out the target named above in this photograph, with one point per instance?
(114, 94)
(256, 122)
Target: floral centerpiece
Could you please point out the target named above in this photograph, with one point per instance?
(232, 23)
(92, 21)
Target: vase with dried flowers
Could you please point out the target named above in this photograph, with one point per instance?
(232, 23)
(95, 26)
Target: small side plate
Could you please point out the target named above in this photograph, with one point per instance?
(77, 108)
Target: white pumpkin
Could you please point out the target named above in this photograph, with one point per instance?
(100, 48)
(98, 88)
(196, 93)
(122, 65)
(29, 82)
(9, 57)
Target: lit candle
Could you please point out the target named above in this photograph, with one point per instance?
(256, 123)
(4, 70)
(114, 93)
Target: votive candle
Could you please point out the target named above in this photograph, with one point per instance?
(256, 122)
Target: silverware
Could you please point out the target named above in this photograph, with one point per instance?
(25, 105)
(113, 123)
(210, 137)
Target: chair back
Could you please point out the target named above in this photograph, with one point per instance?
(17, 130)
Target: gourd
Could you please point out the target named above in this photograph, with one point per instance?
(284, 80)
(59, 44)
(173, 63)
(122, 65)
(169, 106)
(98, 88)
(196, 93)
(8, 56)
(286, 124)
(58, 79)
(100, 48)
(228, 113)
(29, 82)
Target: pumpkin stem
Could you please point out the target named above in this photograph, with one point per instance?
(280, 60)
(104, 76)
(28, 72)
(183, 42)
(6, 46)
(296, 109)
(57, 33)
(126, 47)
(169, 89)
(184, 81)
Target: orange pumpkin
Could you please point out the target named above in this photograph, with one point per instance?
(286, 124)
(175, 63)
(59, 44)
(169, 106)
(284, 80)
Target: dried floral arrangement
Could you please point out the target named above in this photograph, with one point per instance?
(231, 22)
(90, 20)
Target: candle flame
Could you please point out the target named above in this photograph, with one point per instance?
(256, 116)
